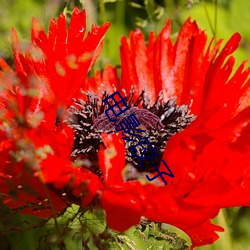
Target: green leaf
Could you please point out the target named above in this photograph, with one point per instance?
(157, 237)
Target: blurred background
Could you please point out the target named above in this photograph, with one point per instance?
(218, 17)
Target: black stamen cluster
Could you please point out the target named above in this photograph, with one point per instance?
(160, 120)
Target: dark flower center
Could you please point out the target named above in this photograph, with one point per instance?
(160, 121)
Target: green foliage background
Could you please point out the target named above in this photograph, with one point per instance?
(219, 17)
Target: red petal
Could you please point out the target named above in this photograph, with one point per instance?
(122, 210)
(63, 68)
(112, 159)
(77, 29)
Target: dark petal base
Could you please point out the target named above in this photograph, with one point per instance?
(161, 121)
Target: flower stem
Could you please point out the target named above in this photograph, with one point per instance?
(208, 17)
(52, 209)
(103, 11)
(226, 240)
(215, 17)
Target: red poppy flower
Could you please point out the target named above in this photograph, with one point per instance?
(36, 143)
(209, 157)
